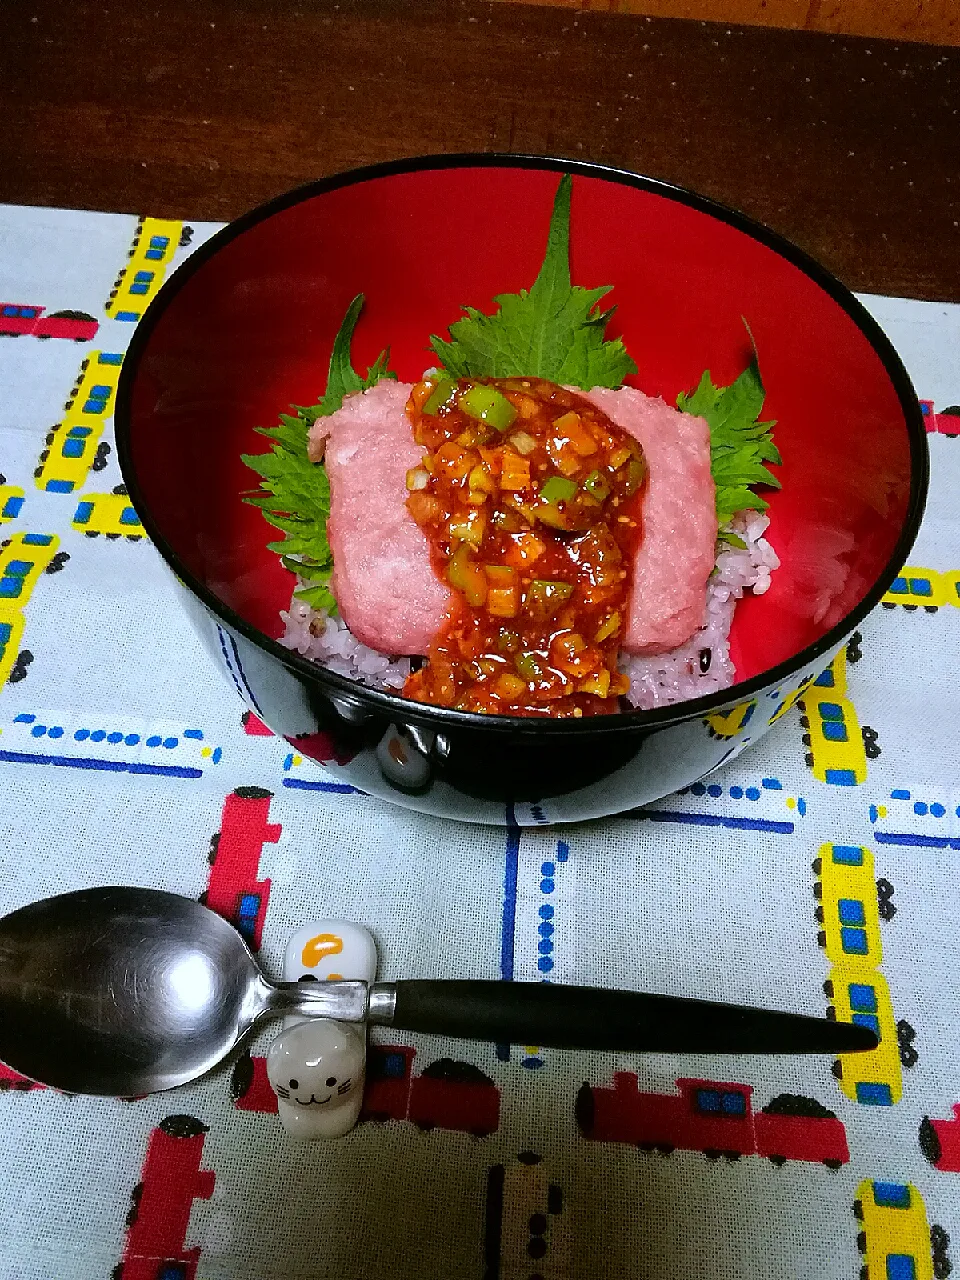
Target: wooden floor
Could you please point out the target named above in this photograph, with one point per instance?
(932, 21)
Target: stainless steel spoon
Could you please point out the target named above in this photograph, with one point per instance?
(124, 992)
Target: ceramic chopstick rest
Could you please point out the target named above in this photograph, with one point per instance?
(316, 1069)
(327, 950)
(316, 1066)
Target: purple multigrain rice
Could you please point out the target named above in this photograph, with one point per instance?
(314, 634)
(699, 667)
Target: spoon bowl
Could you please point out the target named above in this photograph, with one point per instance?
(125, 991)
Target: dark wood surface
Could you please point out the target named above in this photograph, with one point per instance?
(202, 108)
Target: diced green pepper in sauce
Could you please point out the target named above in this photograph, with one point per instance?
(557, 489)
(487, 404)
(442, 394)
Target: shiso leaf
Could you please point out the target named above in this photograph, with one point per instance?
(739, 442)
(294, 493)
(554, 331)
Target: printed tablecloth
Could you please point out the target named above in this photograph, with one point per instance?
(818, 869)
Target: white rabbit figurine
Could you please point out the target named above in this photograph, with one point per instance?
(316, 1069)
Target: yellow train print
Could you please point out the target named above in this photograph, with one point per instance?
(108, 513)
(790, 700)
(851, 904)
(926, 589)
(73, 447)
(848, 910)
(23, 558)
(11, 631)
(154, 244)
(895, 1239)
(728, 724)
(527, 1232)
(11, 501)
(832, 733)
(874, 1078)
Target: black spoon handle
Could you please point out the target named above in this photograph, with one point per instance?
(562, 1017)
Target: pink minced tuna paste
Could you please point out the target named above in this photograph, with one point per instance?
(383, 580)
(678, 549)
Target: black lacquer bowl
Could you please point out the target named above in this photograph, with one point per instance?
(245, 328)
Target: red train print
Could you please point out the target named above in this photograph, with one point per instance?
(947, 422)
(448, 1095)
(318, 746)
(234, 891)
(940, 1141)
(17, 318)
(715, 1117)
(13, 1080)
(250, 1087)
(253, 727)
(322, 747)
(161, 1203)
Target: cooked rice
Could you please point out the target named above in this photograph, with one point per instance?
(699, 667)
(314, 634)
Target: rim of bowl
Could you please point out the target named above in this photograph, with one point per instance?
(524, 725)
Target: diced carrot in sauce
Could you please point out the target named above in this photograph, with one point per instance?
(535, 533)
(421, 393)
(424, 508)
(524, 549)
(569, 425)
(482, 481)
(515, 471)
(454, 461)
(492, 458)
(502, 596)
(567, 461)
(598, 684)
(510, 686)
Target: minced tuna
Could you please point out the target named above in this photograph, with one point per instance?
(383, 581)
(678, 549)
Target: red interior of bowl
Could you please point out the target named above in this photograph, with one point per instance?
(250, 333)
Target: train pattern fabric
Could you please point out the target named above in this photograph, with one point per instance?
(815, 872)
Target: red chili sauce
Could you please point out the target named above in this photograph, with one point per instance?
(530, 498)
